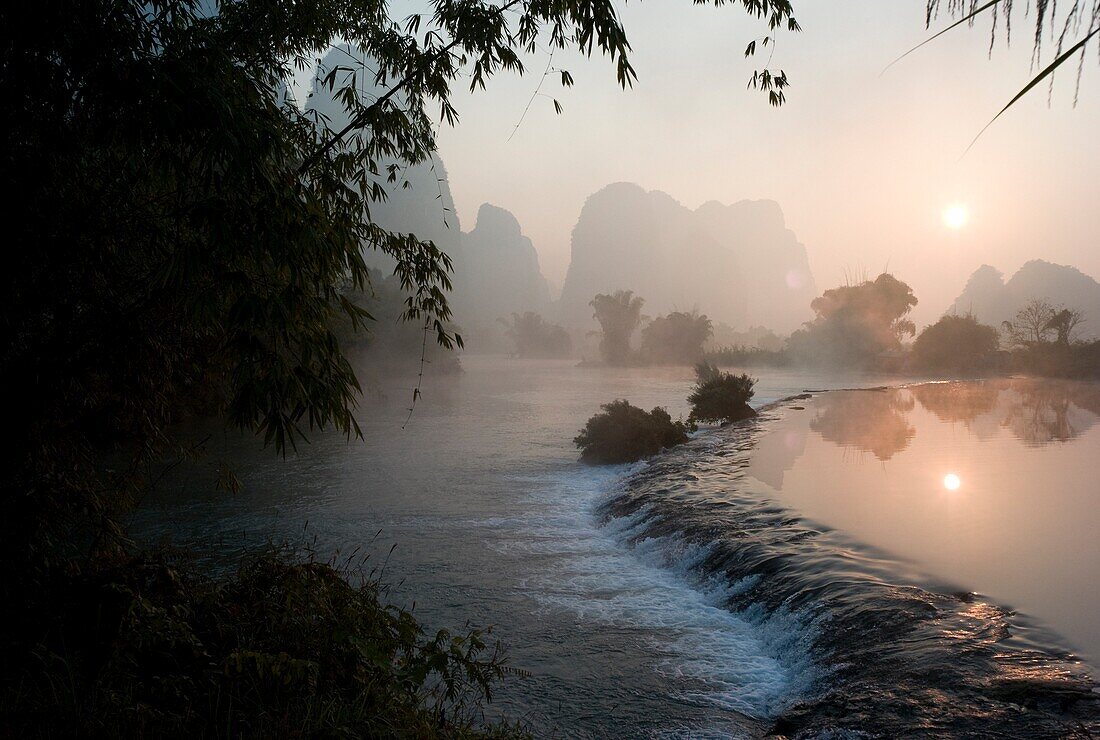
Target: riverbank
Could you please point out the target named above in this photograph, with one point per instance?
(143, 644)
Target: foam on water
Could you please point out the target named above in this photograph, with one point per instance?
(708, 654)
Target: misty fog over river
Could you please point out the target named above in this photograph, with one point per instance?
(689, 596)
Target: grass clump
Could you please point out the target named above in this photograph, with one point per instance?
(623, 433)
(286, 647)
(720, 397)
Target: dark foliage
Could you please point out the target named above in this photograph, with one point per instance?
(955, 344)
(181, 237)
(720, 396)
(677, 338)
(625, 433)
(288, 647)
(1058, 360)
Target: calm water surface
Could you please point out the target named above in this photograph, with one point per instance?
(724, 586)
(991, 486)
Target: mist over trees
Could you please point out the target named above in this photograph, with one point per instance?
(532, 336)
(1038, 321)
(759, 337)
(496, 274)
(855, 324)
(1046, 341)
(677, 338)
(619, 315)
(186, 241)
(388, 342)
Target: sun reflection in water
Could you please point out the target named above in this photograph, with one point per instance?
(951, 482)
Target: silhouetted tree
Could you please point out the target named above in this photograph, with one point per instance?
(955, 343)
(619, 315)
(1032, 324)
(534, 337)
(676, 338)
(855, 323)
(1064, 323)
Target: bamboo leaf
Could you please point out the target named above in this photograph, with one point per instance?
(969, 16)
(1037, 79)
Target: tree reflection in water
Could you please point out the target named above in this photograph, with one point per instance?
(1041, 412)
(1036, 411)
(874, 421)
(958, 402)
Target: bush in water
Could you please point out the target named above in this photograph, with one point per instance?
(625, 433)
(720, 396)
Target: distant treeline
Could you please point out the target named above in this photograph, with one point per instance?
(742, 356)
(863, 326)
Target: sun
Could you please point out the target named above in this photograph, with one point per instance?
(956, 216)
(951, 482)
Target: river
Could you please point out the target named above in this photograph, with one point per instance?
(763, 572)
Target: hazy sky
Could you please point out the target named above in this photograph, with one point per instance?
(862, 163)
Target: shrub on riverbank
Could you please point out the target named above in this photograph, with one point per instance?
(145, 647)
(625, 433)
(720, 396)
(955, 344)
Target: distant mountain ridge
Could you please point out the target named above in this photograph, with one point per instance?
(496, 271)
(992, 299)
(736, 263)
